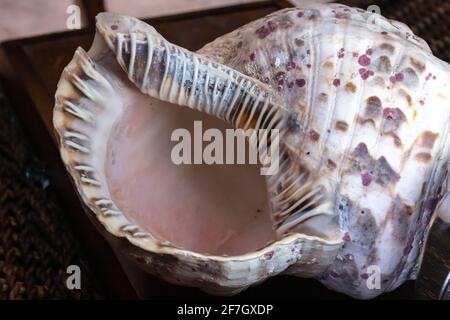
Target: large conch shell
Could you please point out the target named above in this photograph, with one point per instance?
(362, 107)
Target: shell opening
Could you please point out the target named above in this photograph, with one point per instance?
(221, 209)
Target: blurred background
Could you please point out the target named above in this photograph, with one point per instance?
(43, 228)
(19, 18)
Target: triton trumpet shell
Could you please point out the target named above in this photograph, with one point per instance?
(362, 108)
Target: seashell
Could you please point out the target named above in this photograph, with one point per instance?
(362, 109)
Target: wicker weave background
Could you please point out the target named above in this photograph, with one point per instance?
(36, 244)
(428, 19)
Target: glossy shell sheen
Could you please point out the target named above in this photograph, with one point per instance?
(363, 109)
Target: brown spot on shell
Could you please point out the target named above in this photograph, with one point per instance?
(328, 65)
(323, 97)
(423, 157)
(407, 97)
(397, 141)
(299, 42)
(341, 126)
(350, 87)
(331, 164)
(313, 135)
(420, 66)
(427, 139)
(442, 96)
(388, 47)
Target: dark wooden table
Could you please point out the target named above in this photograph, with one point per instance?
(30, 69)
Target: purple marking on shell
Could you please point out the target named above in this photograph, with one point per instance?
(314, 14)
(290, 65)
(369, 51)
(308, 65)
(334, 274)
(268, 255)
(272, 26)
(384, 33)
(365, 275)
(252, 56)
(264, 31)
(430, 204)
(114, 27)
(422, 102)
(300, 82)
(366, 179)
(280, 84)
(365, 73)
(391, 113)
(346, 237)
(384, 173)
(300, 14)
(280, 76)
(336, 82)
(398, 77)
(364, 60)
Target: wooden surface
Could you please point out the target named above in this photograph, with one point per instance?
(31, 68)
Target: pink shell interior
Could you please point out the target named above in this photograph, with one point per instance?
(213, 209)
